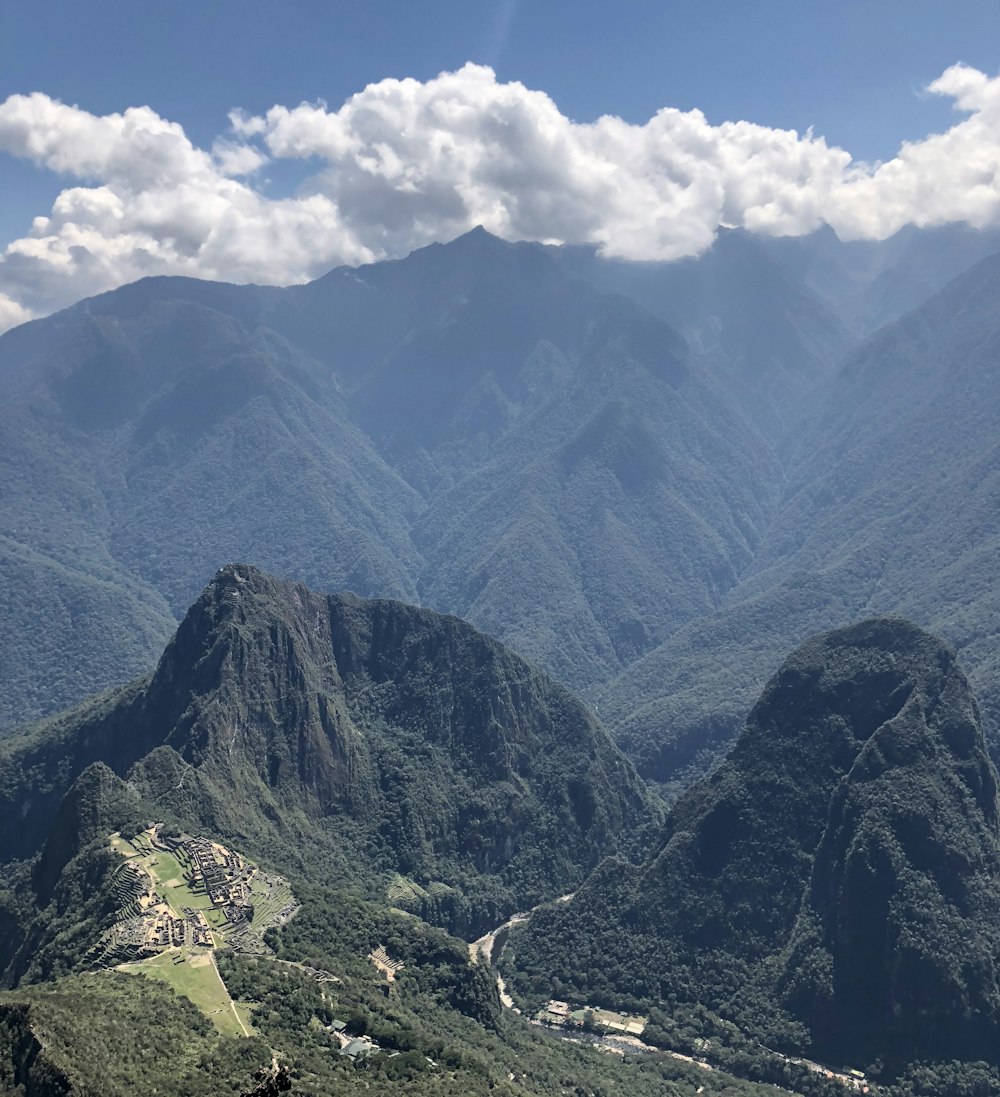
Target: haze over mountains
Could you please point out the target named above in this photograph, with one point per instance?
(639, 476)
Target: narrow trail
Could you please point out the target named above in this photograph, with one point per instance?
(225, 990)
(239, 1019)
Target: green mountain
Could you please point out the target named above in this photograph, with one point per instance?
(148, 437)
(831, 887)
(749, 313)
(369, 737)
(890, 507)
(472, 427)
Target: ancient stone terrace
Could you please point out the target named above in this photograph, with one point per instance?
(389, 967)
(178, 892)
(225, 875)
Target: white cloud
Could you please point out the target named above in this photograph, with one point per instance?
(11, 313)
(235, 159)
(403, 163)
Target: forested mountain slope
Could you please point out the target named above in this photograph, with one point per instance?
(484, 428)
(891, 506)
(766, 334)
(370, 737)
(832, 886)
(147, 438)
(401, 768)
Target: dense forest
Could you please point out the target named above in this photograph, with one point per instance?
(828, 890)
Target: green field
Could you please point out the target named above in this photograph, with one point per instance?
(245, 1012)
(198, 979)
(168, 872)
(125, 848)
(215, 918)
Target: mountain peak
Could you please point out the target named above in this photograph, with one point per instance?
(478, 232)
(276, 708)
(843, 859)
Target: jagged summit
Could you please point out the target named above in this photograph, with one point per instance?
(300, 721)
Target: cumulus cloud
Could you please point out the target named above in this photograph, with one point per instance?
(405, 162)
(11, 313)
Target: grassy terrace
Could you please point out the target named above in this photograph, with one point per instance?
(197, 978)
(168, 873)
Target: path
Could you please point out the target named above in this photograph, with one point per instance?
(481, 950)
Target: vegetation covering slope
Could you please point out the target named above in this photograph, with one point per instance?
(351, 742)
(113, 1035)
(832, 886)
(890, 507)
(370, 737)
(471, 425)
(501, 432)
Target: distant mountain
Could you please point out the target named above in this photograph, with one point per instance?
(369, 737)
(831, 887)
(870, 283)
(513, 433)
(147, 438)
(891, 506)
(759, 325)
(471, 426)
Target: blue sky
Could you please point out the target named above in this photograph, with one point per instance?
(849, 68)
(854, 71)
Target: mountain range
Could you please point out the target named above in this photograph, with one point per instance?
(647, 478)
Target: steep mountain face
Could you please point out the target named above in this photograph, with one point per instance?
(328, 729)
(626, 498)
(471, 425)
(588, 484)
(843, 862)
(762, 328)
(890, 507)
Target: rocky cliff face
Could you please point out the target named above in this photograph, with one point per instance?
(389, 738)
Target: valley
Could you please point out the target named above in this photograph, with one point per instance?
(349, 788)
(566, 404)
(620, 1034)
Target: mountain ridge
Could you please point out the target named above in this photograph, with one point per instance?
(323, 728)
